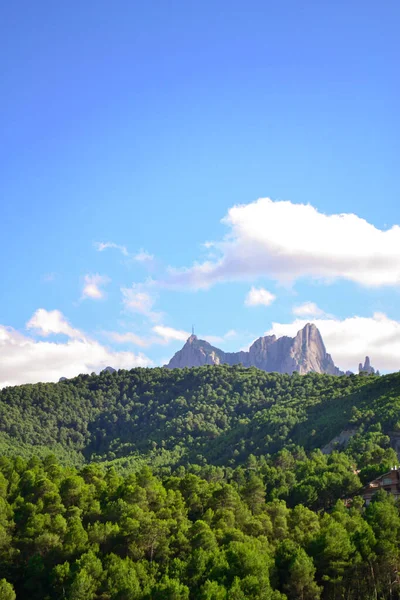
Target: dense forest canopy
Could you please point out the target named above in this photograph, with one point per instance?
(93, 534)
(217, 415)
(204, 483)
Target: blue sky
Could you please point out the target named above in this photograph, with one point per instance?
(144, 125)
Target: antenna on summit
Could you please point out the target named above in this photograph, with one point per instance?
(192, 329)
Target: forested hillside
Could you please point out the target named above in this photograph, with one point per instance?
(217, 415)
(204, 483)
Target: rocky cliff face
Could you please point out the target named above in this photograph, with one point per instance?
(304, 353)
(196, 353)
(367, 367)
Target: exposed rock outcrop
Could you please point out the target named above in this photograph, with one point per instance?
(367, 367)
(196, 353)
(340, 441)
(304, 353)
(108, 370)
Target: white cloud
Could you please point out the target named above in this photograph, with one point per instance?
(101, 246)
(169, 334)
(160, 335)
(220, 339)
(212, 339)
(163, 335)
(351, 339)
(26, 360)
(257, 296)
(308, 309)
(230, 334)
(141, 256)
(128, 337)
(92, 286)
(137, 299)
(46, 322)
(287, 241)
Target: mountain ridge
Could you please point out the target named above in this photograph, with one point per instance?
(303, 353)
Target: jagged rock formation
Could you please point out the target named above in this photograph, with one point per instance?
(367, 367)
(304, 353)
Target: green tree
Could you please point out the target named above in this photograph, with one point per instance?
(170, 589)
(6, 590)
(301, 584)
(212, 590)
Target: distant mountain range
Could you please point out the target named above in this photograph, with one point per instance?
(303, 354)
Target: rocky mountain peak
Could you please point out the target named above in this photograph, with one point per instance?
(304, 353)
(195, 353)
(309, 352)
(366, 367)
